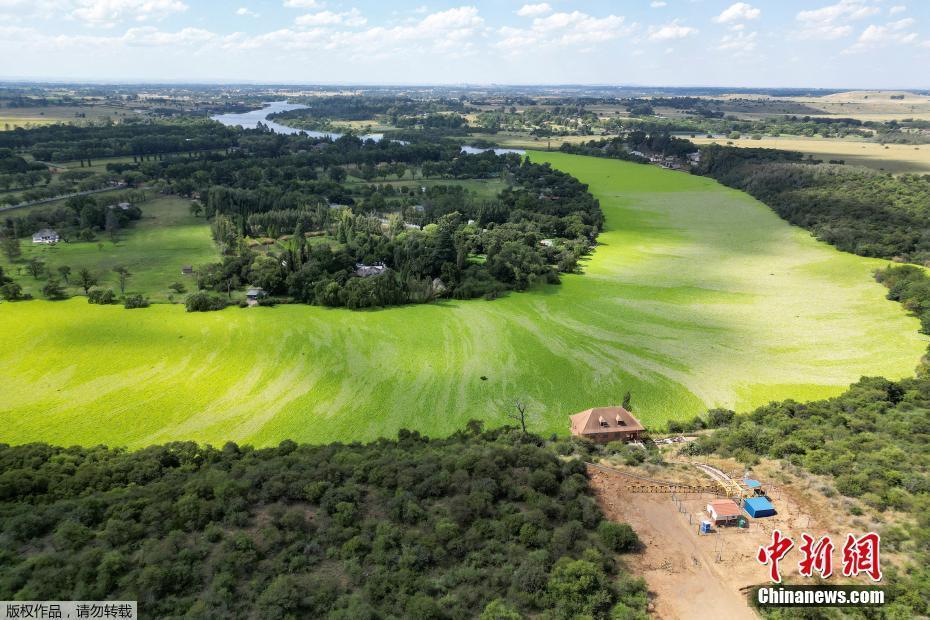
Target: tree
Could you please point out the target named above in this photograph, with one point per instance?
(232, 281)
(578, 588)
(53, 289)
(178, 287)
(11, 291)
(123, 274)
(11, 248)
(36, 267)
(112, 224)
(267, 273)
(86, 279)
(519, 416)
(337, 174)
(498, 609)
(627, 401)
(65, 272)
(618, 537)
(196, 208)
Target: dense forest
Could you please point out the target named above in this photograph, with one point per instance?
(57, 143)
(487, 524)
(857, 210)
(626, 147)
(438, 242)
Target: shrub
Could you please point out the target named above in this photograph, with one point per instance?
(132, 302)
(204, 302)
(618, 537)
(54, 290)
(11, 291)
(101, 296)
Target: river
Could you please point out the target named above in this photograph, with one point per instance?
(251, 119)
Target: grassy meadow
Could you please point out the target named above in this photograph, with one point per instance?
(697, 296)
(153, 248)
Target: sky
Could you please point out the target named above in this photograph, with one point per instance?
(761, 43)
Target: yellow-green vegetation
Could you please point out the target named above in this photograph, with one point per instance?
(893, 158)
(153, 249)
(697, 296)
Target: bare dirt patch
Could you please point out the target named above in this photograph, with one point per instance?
(686, 571)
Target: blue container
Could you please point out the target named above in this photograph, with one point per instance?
(758, 507)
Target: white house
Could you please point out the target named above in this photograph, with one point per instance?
(46, 235)
(366, 271)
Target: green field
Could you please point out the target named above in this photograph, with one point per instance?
(153, 248)
(698, 296)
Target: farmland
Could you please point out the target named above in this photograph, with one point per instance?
(697, 296)
(893, 158)
(11, 118)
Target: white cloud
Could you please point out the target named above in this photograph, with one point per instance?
(17, 10)
(352, 18)
(739, 43)
(144, 36)
(893, 33)
(452, 32)
(671, 31)
(110, 12)
(737, 13)
(832, 22)
(149, 36)
(534, 10)
(898, 8)
(246, 12)
(657, 4)
(565, 29)
(303, 4)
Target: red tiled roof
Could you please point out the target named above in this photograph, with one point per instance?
(725, 507)
(605, 420)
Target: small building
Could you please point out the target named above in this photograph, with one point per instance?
(754, 486)
(47, 236)
(547, 243)
(253, 294)
(723, 511)
(187, 270)
(366, 271)
(606, 424)
(758, 507)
